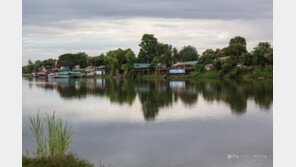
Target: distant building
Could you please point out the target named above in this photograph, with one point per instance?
(224, 58)
(185, 64)
(64, 68)
(266, 55)
(142, 67)
(183, 67)
(209, 67)
(76, 68)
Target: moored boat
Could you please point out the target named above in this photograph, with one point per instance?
(63, 74)
(40, 75)
(69, 74)
(76, 74)
(52, 75)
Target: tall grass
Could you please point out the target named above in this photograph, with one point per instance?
(51, 135)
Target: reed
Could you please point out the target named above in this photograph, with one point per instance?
(51, 135)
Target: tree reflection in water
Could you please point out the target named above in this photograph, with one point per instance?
(155, 94)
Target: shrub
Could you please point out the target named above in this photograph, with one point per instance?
(217, 64)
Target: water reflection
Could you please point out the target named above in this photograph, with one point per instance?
(156, 94)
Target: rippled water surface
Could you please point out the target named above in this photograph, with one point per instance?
(167, 123)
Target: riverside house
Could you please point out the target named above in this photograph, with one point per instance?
(183, 67)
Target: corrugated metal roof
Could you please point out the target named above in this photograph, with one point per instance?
(141, 65)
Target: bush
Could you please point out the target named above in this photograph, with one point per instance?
(226, 67)
(262, 71)
(217, 64)
(199, 68)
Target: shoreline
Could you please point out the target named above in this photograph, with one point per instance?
(172, 76)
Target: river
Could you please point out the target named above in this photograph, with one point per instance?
(160, 122)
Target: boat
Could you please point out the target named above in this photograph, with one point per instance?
(76, 74)
(40, 75)
(63, 74)
(70, 74)
(51, 75)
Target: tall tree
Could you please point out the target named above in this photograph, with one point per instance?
(164, 53)
(175, 54)
(237, 46)
(259, 51)
(70, 59)
(147, 48)
(238, 40)
(188, 53)
(207, 57)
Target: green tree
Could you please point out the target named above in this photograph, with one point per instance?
(246, 59)
(217, 64)
(207, 57)
(100, 60)
(237, 46)
(113, 62)
(175, 54)
(164, 53)
(120, 59)
(131, 59)
(188, 53)
(48, 62)
(155, 61)
(147, 48)
(259, 51)
(238, 40)
(71, 60)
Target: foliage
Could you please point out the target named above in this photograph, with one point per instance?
(258, 54)
(238, 40)
(228, 65)
(70, 59)
(175, 54)
(207, 57)
(188, 53)
(155, 61)
(246, 59)
(262, 71)
(197, 70)
(120, 59)
(28, 68)
(237, 71)
(217, 64)
(147, 48)
(210, 74)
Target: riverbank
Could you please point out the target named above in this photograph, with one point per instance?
(258, 72)
(27, 75)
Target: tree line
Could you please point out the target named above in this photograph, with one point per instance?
(154, 52)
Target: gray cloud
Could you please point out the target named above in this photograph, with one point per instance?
(51, 28)
(36, 11)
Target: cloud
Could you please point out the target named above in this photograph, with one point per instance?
(38, 12)
(98, 35)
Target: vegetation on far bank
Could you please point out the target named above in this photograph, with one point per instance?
(231, 61)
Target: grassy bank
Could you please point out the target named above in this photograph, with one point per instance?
(69, 160)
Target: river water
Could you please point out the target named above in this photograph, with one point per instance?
(167, 123)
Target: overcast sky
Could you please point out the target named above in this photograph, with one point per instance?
(54, 27)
